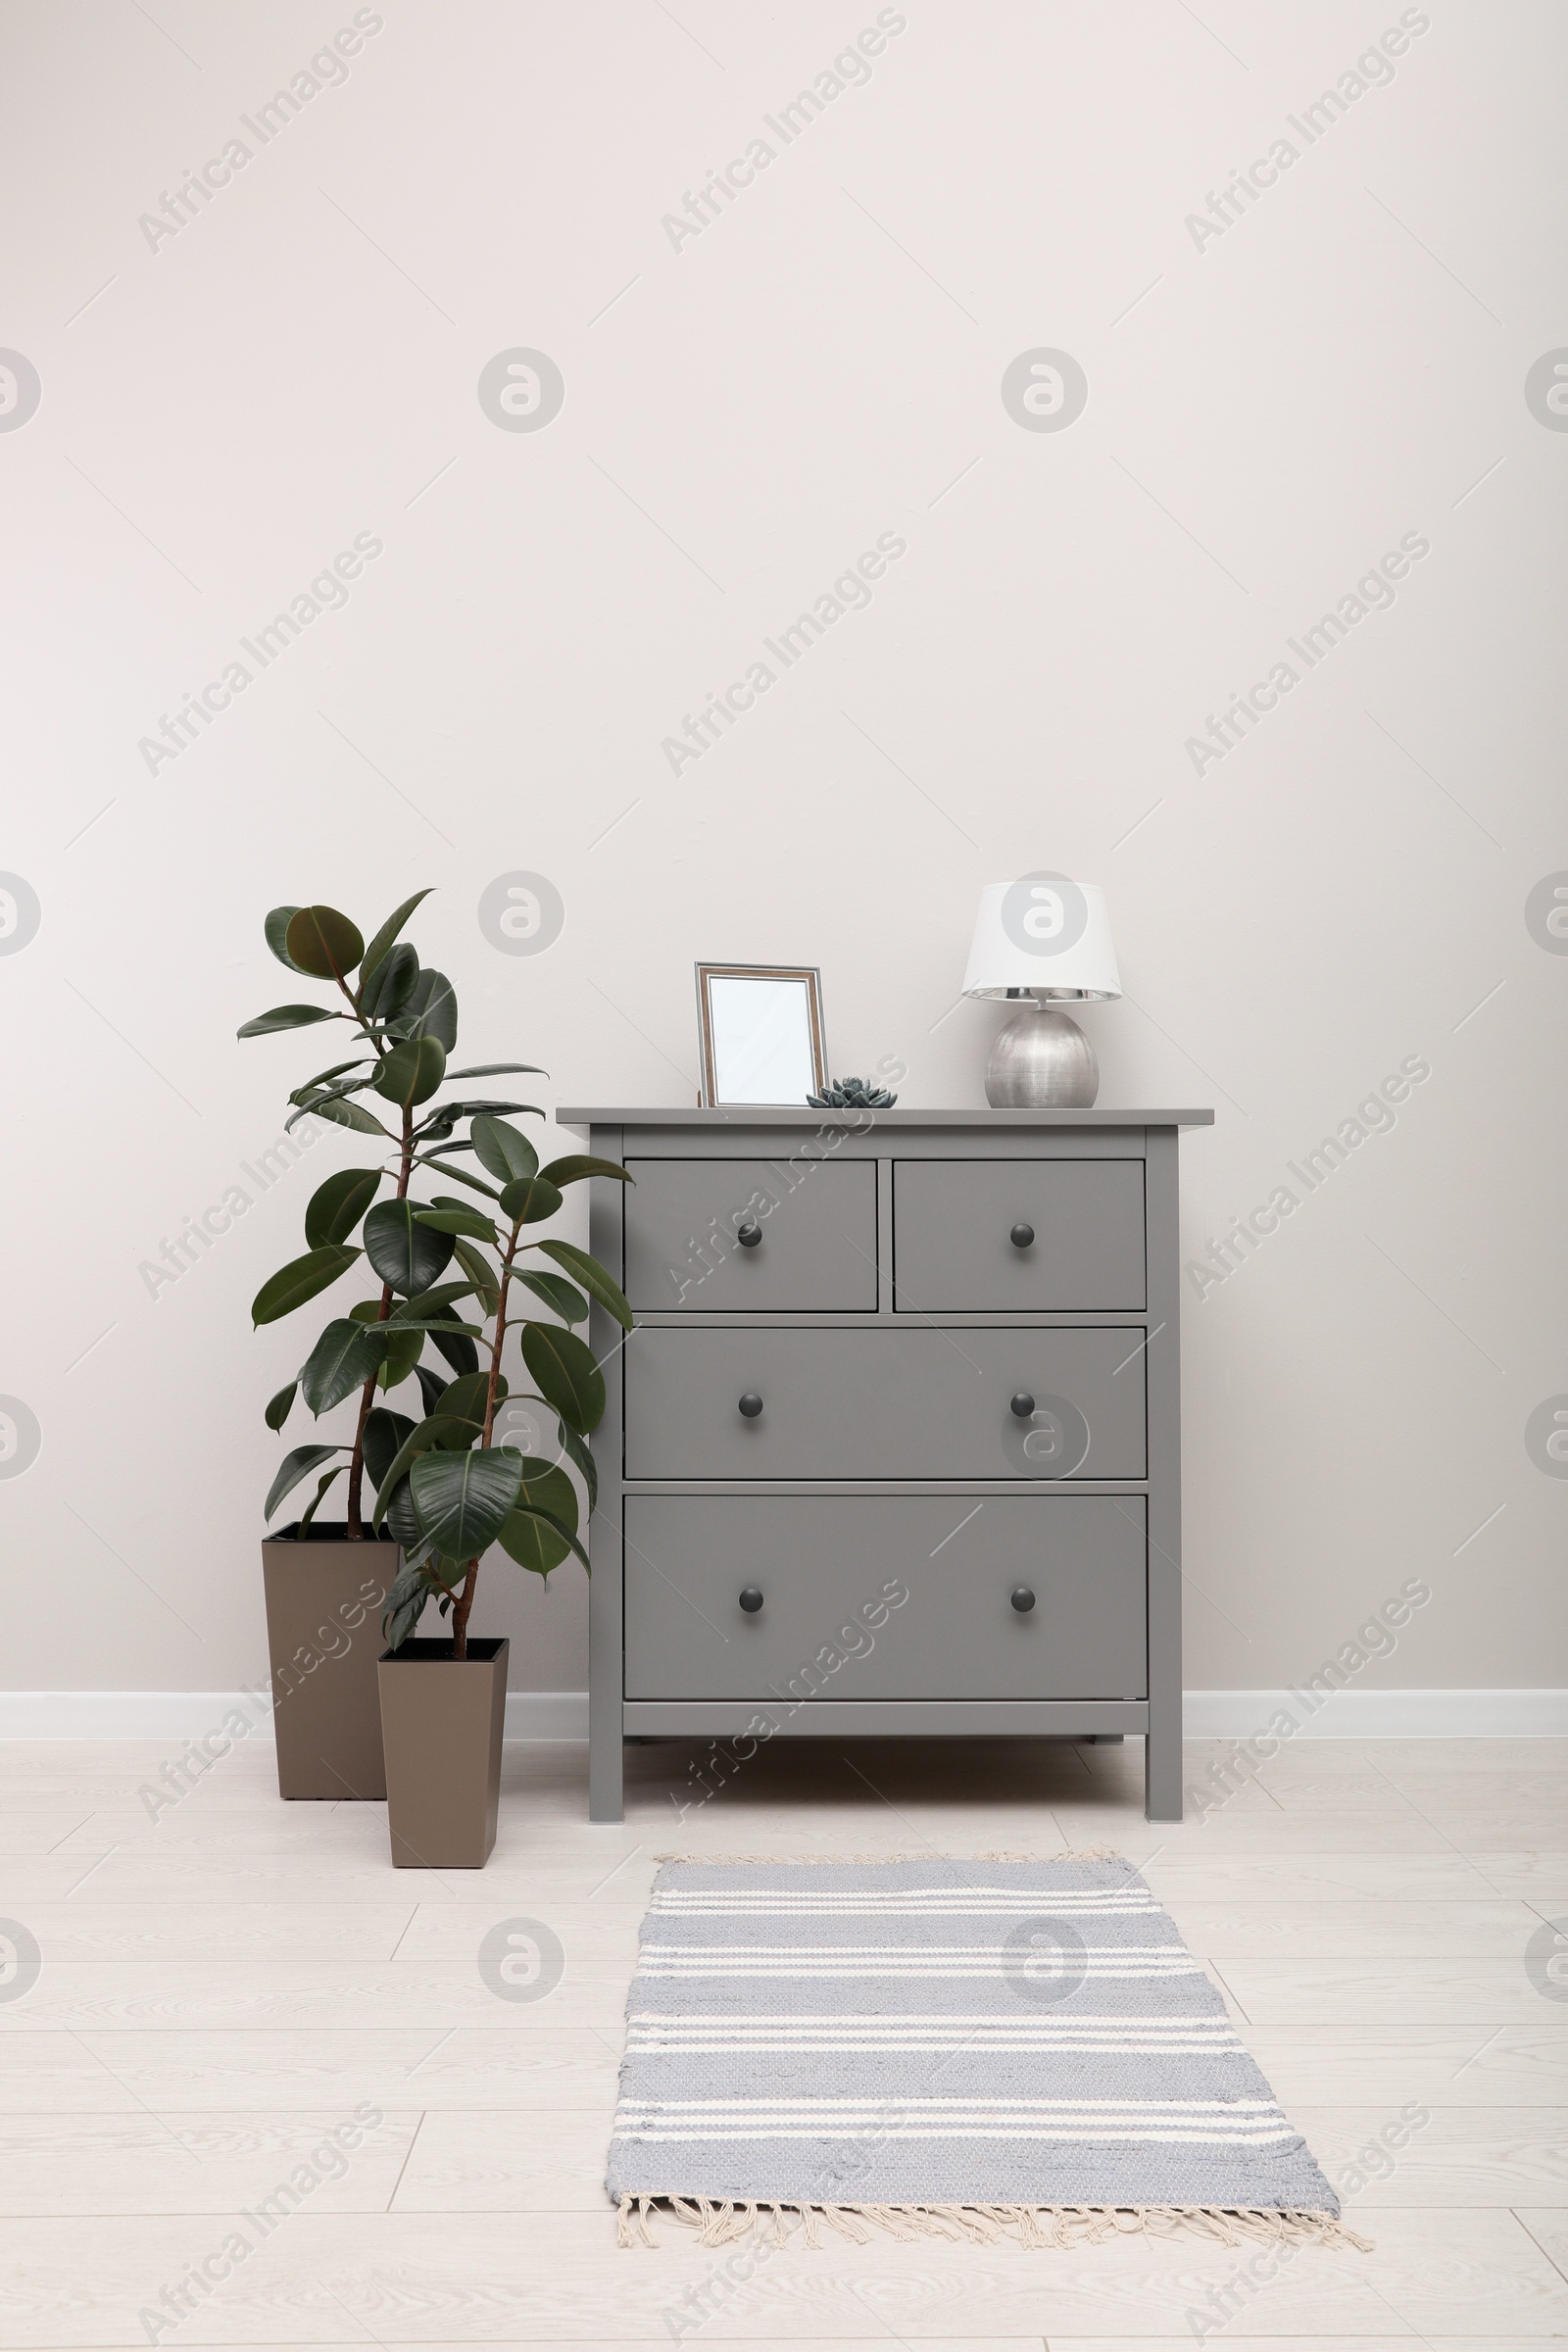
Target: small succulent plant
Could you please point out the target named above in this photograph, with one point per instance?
(852, 1093)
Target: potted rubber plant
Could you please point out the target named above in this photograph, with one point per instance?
(450, 1490)
(419, 1542)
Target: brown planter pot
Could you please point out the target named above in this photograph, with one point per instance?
(324, 1597)
(441, 1727)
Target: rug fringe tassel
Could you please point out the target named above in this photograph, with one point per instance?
(632, 2228)
(1037, 2226)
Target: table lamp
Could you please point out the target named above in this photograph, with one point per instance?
(1043, 940)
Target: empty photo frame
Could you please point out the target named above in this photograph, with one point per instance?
(760, 1032)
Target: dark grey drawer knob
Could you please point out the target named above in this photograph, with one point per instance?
(752, 1599)
(1023, 1600)
(750, 1406)
(1023, 1406)
(748, 1234)
(1022, 1237)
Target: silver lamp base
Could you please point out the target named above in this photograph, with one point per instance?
(1041, 1060)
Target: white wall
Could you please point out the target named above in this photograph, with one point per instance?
(1269, 412)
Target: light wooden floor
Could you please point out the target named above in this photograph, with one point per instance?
(222, 1986)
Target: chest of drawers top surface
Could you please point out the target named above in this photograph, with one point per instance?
(731, 1118)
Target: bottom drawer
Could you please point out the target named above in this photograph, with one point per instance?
(867, 1597)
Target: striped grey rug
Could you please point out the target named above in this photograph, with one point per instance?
(961, 2049)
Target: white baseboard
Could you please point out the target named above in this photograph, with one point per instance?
(193, 1714)
(564, 1714)
(1380, 1714)
(131, 1714)
(547, 1714)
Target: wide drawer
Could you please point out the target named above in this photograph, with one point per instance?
(816, 1222)
(952, 1222)
(926, 1404)
(832, 1624)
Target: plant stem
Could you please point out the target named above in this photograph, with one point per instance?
(356, 1527)
(500, 1333)
(462, 1606)
(460, 1613)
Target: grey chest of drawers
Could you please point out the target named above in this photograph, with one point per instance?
(895, 1447)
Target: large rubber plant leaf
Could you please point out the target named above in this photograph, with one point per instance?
(397, 1503)
(502, 1150)
(404, 1254)
(562, 1297)
(580, 1453)
(294, 1466)
(311, 1096)
(543, 1520)
(284, 1016)
(341, 1114)
(545, 1486)
(332, 1082)
(412, 1071)
(321, 1485)
(384, 992)
(565, 1373)
(483, 1276)
(276, 930)
(439, 1320)
(300, 1280)
(324, 1078)
(529, 1199)
(437, 1124)
(421, 1439)
(431, 1009)
(465, 1499)
(425, 1304)
(459, 1351)
(464, 1399)
(342, 1360)
(405, 1607)
(537, 1541)
(475, 1183)
(385, 1431)
(460, 1220)
(578, 1164)
(337, 1205)
(323, 943)
(591, 1274)
(389, 931)
(404, 1348)
(279, 1407)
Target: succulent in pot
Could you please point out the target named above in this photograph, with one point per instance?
(458, 1274)
(852, 1093)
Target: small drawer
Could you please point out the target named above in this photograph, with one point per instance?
(828, 1568)
(913, 1404)
(953, 1221)
(815, 1249)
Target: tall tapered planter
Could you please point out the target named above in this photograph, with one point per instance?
(442, 1722)
(324, 1597)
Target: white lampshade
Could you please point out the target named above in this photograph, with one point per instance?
(1044, 933)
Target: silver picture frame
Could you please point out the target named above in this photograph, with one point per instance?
(759, 1033)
